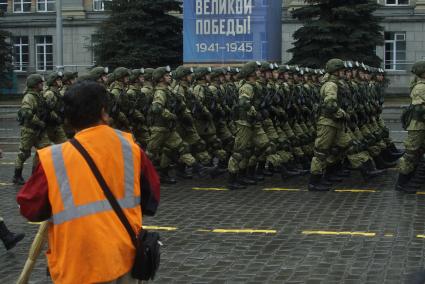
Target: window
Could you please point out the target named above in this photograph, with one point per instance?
(396, 2)
(20, 53)
(3, 6)
(21, 6)
(44, 53)
(99, 5)
(46, 5)
(395, 51)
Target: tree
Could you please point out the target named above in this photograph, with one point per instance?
(345, 29)
(140, 33)
(5, 59)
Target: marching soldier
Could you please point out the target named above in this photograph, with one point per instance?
(332, 137)
(414, 119)
(164, 141)
(121, 102)
(32, 117)
(55, 105)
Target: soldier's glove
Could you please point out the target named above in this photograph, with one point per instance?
(169, 116)
(38, 123)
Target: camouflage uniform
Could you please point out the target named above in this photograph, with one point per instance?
(31, 116)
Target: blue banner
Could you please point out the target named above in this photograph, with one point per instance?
(219, 31)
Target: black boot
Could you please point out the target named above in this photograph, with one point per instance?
(389, 156)
(341, 171)
(17, 177)
(203, 171)
(315, 183)
(165, 177)
(234, 183)
(404, 185)
(261, 169)
(306, 164)
(331, 174)
(393, 149)
(382, 164)
(287, 173)
(182, 171)
(253, 174)
(9, 239)
(244, 179)
(369, 171)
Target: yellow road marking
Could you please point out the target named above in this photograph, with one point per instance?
(160, 228)
(210, 188)
(420, 236)
(365, 234)
(35, 223)
(389, 235)
(420, 193)
(5, 184)
(281, 189)
(355, 190)
(240, 231)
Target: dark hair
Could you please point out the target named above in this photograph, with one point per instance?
(83, 104)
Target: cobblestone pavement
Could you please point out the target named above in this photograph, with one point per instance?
(275, 232)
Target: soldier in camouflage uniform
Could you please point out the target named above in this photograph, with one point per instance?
(205, 113)
(131, 106)
(31, 116)
(55, 105)
(251, 142)
(164, 140)
(186, 126)
(231, 96)
(121, 102)
(68, 79)
(414, 119)
(332, 138)
(144, 102)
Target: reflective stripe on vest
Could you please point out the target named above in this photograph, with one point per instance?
(71, 211)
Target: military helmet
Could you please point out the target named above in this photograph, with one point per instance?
(110, 78)
(121, 72)
(418, 68)
(159, 72)
(249, 68)
(283, 68)
(98, 72)
(52, 77)
(182, 71)
(232, 70)
(135, 73)
(266, 66)
(202, 71)
(147, 73)
(334, 65)
(68, 75)
(33, 80)
(215, 72)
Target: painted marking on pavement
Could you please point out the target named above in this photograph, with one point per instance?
(240, 231)
(159, 228)
(281, 189)
(364, 234)
(5, 184)
(355, 190)
(389, 235)
(210, 188)
(10, 163)
(420, 236)
(420, 193)
(35, 223)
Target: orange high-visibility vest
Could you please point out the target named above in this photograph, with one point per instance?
(87, 241)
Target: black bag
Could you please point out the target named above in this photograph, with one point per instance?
(406, 117)
(147, 244)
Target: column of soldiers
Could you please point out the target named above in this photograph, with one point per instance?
(253, 122)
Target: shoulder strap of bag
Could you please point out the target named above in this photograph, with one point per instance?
(109, 195)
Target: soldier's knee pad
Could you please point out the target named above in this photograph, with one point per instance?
(321, 154)
(237, 156)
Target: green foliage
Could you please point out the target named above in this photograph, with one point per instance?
(5, 59)
(345, 29)
(140, 33)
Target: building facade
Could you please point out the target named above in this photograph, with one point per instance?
(404, 33)
(32, 25)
